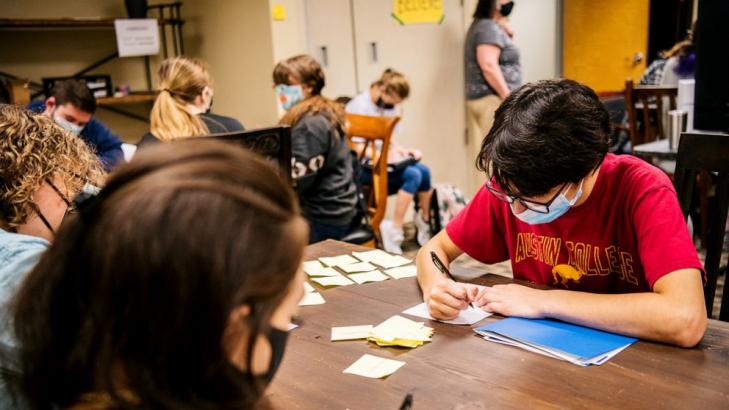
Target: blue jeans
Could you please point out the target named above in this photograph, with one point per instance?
(319, 231)
(415, 178)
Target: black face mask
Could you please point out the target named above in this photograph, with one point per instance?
(506, 8)
(277, 338)
(382, 104)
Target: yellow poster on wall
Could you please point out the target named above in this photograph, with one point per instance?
(417, 11)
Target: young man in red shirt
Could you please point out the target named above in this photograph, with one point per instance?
(605, 232)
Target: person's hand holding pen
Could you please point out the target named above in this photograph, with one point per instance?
(447, 297)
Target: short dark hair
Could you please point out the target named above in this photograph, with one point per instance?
(485, 9)
(545, 134)
(76, 93)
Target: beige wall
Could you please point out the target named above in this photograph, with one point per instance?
(234, 36)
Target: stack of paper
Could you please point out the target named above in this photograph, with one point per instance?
(468, 316)
(576, 344)
(350, 332)
(374, 367)
(398, 331)
(311, 296)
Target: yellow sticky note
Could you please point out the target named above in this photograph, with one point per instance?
(278, 12)
(416, 11)
(333, 281)
(314, 268)
(399, 331)
(374, 276)
(350, 332)
(402, 272)
(374, 367)
(358, 267)
(312, 298)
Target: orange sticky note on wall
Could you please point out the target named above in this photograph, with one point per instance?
(278, 12)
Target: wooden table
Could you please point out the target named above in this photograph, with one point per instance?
(656, 149)
(459, 370)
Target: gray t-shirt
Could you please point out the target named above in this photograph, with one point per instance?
(488, 31)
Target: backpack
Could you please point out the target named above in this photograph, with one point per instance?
(447, 201)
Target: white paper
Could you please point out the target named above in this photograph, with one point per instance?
(350, 332)
(466, 317)
(340, 260)
(314, 268)
(402, 272)
(333, 281)
(308, 288)
(312, 298)
(369, 256)
(137, 37)
(382, 258)
(358, 267)
(292, 326)
(374, 367)
(374, 276)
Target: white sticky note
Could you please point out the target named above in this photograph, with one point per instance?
(391, 261)
(369, 256)
(308, 288)
(374, 367)
(338, 280)
(374, 276)
(358, 267)
(350, 332)
(402, 272)
(340, 260)
(468, 316)
(292, 326)
(314, 268)
(312, 298)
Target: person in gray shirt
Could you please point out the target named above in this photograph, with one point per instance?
(493, 70)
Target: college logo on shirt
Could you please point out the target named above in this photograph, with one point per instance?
(584, 260)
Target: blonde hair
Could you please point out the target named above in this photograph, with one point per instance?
(307, 71)
(181, 80)
(394, 83)
(33, 149)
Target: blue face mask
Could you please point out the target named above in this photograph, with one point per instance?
(289, 95)
(557, 208)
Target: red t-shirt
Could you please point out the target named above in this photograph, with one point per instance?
(627, 234)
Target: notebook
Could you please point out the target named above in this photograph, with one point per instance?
(577, 344)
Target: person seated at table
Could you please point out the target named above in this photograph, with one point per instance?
(72, 106)
(605, 232)
(322, 168)
(409, 176)
(188, 301)
(42, 168)
(182, 107)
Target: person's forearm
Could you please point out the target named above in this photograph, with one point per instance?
(495, 79)
(646, 315)
(427, 272)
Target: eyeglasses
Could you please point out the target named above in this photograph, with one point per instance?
(540, 207)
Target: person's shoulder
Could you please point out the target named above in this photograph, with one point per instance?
(485, 25)
(315, 122)
(634, 173)
(37, 106)
(147, 140)
(17, 249)
(358, 104)
(220, 123)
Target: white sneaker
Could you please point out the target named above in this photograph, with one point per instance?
(423, 228)
(391, 237)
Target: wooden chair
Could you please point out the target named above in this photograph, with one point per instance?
(707, 153)
(652, 100)
(273, 143)
(372, 141)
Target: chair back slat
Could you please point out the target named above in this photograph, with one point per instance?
(652, 100)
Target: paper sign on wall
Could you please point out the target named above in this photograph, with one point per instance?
(417, 11)
(136, 37)
(278, 12)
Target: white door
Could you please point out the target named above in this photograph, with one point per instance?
(330, 41)
(431, 56)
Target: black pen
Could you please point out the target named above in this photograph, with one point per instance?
(441, 267)
(407, 403)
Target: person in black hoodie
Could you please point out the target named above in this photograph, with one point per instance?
(322, 164)
(182, 108)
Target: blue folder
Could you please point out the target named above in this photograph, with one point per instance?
(578, 341)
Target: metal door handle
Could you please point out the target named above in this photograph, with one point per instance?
(373, 47)
(324, 56)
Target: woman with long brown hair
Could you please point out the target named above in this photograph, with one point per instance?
(182, 108)
(172, 289)
(322, 161)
